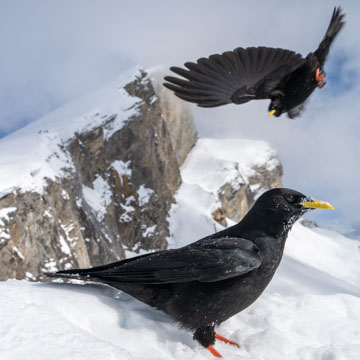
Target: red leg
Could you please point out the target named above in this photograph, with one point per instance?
(213, 351)
(225, 340)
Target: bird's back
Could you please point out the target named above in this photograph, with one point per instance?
(195, 303)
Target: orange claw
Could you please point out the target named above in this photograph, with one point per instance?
(213, 351)
(225, 340)
(319, 76)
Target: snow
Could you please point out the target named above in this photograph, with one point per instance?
(337, 248)
(29, 275)
(38, 151)
(65, 248)
(98, 197)
(122, 168)
(5, 214)
(128, 209)
(310, 311)
(47, 214)
(50, 266)
(144, 194)
(214, 162)
(149, 231)
(4, 236)
(17, 252)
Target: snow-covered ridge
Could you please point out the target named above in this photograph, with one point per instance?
(37, 151)
(214, 162)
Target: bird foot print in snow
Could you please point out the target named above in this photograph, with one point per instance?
(225, 340)
(319, 77)
(213, 351)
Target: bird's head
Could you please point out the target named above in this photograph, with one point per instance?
(279, 208)
(276, 107)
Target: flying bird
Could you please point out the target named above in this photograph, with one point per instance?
(203, 284)
(256, 73)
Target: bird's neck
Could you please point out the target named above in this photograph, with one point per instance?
(269, 222)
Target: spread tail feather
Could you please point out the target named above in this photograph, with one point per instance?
(75, 274)
(336, 23)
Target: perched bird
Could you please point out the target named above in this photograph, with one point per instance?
(203, 284)
(255, 73)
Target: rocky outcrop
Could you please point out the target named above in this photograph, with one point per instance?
(235, 172)
(113, 194)
(237, 198)
(177, 115)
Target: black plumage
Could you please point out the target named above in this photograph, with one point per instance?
(255, 73)
(203, 284)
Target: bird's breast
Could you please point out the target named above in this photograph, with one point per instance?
(300, 86)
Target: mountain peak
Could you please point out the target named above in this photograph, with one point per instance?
(37, 151)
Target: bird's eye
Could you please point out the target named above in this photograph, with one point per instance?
(290, 198)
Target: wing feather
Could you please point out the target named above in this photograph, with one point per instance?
(205, 261)
(234, 76)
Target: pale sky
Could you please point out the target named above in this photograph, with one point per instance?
(55, 51)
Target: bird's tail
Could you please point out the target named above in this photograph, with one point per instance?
(75, 274)
(336, 23)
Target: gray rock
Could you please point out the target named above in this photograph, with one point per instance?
(237, 200)
(177, 115)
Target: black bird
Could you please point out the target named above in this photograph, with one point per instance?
(255, 73)
(203, 284)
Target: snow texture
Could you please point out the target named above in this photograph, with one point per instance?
(144, 195)
(129, 209)
(98, 197)
(38, 151)
(122, 168)
(213, 162)
(5, 214)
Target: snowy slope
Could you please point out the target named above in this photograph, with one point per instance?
(310, 311)
(36, 151)
(212, 163)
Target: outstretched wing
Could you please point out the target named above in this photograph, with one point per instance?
(336, 23)
(205, 261)
(235, 76)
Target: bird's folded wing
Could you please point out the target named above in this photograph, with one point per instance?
(207, 261)
(235, 76)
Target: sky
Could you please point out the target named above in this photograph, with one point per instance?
(55, 51)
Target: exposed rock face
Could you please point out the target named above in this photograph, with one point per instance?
(236, 199)
(177, 115)
(113, 195)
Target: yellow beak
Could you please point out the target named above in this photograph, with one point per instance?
(272, 112)
(317, 204)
